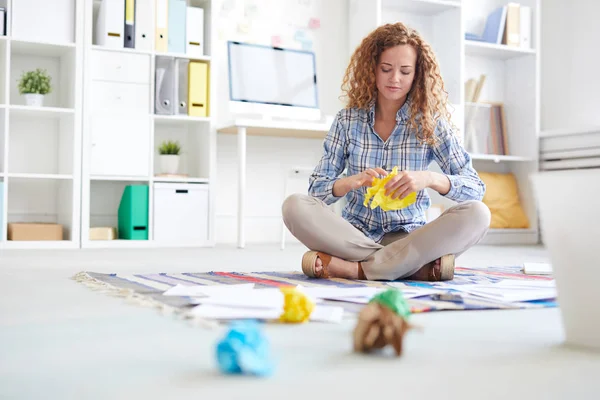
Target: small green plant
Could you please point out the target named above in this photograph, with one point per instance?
(169, 147)
(35, 82)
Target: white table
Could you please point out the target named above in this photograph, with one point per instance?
(258, 127)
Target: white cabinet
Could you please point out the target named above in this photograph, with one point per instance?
(120, 67)
(180, 213)
(120, 145)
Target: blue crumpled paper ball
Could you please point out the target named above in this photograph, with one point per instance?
(244, 350)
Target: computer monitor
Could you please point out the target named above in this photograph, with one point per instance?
(271, 81)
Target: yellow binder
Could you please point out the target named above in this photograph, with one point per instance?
(198, 89)
(162, 25)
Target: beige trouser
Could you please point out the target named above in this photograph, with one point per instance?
(399, 254)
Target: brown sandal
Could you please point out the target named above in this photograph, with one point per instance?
(309, 260)
(441, 269)
(446, 271)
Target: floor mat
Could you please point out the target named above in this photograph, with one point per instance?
(147, 289)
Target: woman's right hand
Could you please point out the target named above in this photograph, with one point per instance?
(366, 177)
(353, 182)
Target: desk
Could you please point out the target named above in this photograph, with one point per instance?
(257, 127)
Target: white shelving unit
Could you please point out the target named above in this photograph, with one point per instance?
(98, 131)
(40, 155)
(512, 78)
(122, 134)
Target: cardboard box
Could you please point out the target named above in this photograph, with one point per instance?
(103, 233)
(34, 231)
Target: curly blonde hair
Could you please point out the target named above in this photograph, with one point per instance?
(428, 95)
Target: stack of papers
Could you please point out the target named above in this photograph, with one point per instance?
(243, 301)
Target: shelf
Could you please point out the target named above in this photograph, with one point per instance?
(40, 176)
(422, 7)
(179, 118)
(569, 131)
(28, 111)
(497, 51)
(183, 55)
(139, 244)
(498, 158)
(511, 231)
(38, 244)
(119, 178)
(117, 244)
(180, 180)
(40, 48)
(121, 49)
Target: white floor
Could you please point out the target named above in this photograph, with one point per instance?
(59, 339)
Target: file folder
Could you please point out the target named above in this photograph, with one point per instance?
(2, 21)
(130, 24)
(162, 23)
(144, 25)
(165, 100)
(133, 213)
(109, 24)
(182, 66)
(195, 32)
(198, 89)
(1, 209)
(176, 36)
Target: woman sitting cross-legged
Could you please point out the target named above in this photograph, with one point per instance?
(396, 116)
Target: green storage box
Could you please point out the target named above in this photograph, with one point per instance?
(133, 213)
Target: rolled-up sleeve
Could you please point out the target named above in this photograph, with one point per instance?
(331, 164)
(456, 163)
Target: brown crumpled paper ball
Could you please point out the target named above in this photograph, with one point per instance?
(377, 327)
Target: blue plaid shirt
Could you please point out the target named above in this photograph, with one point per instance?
(352, 144)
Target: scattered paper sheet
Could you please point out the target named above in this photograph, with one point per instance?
(510, 290)
(537, 268)
(204, 290)
(408, 294)
(338, 293)
(321, 313)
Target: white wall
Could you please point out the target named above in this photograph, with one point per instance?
(268, 159)
(570, 61)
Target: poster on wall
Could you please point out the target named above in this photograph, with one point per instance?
(281, 23)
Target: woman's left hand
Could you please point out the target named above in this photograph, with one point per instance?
(407, 182)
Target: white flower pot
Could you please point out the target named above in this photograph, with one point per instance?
(34, 99)
(169, 163)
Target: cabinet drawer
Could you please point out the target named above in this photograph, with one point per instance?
(181, 213)
(124, 97)
(120, 67)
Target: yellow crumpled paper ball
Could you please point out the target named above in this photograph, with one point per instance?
(297, 307)
(377, 192)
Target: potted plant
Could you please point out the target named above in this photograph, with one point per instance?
(34, 85)
(169, 157)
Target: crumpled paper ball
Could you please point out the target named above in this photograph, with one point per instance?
(382, 322)
(244, 350)
(377, 193)
(297, 307)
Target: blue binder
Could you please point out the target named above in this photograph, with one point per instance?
(177, 26)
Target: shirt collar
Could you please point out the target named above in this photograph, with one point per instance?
(403, 113)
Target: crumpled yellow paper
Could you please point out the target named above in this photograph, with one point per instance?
(297, 307)
(377, 192)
